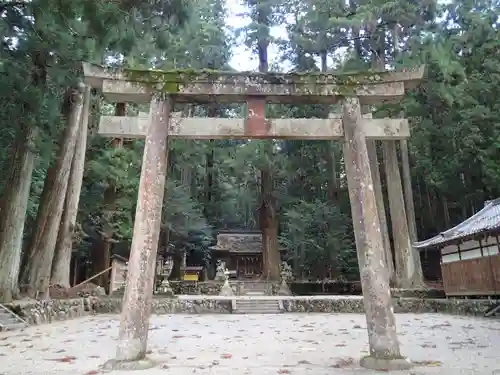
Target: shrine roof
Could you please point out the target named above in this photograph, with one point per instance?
(240, 242)
(487, 220)
(202, 85)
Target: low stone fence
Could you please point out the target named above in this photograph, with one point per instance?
(212, 288)
(167, 306)
(401, 305)
(40, 312)
(43, 311)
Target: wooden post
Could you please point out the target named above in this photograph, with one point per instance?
(136, 310)
(384, 346)
(113, 277)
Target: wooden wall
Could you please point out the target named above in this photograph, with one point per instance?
(472, 277)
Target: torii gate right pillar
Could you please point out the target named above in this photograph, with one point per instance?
(384, 346)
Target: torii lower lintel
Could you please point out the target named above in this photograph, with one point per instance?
(226, 128)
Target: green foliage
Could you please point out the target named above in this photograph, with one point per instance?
(454, 149)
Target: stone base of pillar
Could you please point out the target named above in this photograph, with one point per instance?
(141, 364)
(381, 364)
(226, 289)
(284, 290)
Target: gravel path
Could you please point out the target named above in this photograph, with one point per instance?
(316, 344)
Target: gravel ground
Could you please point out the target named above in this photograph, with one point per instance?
(316, 344)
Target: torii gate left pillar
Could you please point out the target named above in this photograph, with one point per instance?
(352, 90)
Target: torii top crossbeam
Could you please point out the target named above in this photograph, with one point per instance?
(126, 85)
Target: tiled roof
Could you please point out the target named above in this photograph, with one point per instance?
(488, 219)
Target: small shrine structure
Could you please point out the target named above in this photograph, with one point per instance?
(162, 90)
(241, 253)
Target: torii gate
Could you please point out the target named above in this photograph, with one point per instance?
(163, 89)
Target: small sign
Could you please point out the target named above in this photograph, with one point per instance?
(190, 277)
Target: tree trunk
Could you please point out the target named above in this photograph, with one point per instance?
(40, 251)
(408, 268)
(13, 215)
(61, 266)
(269, 226)
(408, 190)
(109, 212)
(267, 211)
(379, 197)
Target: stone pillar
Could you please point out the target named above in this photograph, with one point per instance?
(384, 346)
(136, 309)
(406, 264)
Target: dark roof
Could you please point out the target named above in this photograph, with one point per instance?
(238, 242)
(117, 256)
(486, 220)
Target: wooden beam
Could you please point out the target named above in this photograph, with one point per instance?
(224, 128)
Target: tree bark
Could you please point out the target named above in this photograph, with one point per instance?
(136, 310)
(379, 311)
(13, 217)
(109, 212)
(379, 196)
(267, 211)
(61, 266)
(269, 226)
(408, 191)
(40, 252)
(408, 268)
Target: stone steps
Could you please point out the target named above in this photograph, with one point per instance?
(256, 306)
(10, 321)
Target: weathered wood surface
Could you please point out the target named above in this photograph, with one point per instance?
(204, 86)
(224, 128)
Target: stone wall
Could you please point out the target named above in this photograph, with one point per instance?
(212, 288)
(401, 305)
(167, 306)
(40, 312)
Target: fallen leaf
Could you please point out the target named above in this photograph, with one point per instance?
(226, 356)
(67, 359)
(92, 372)
(428, 363)
(283, 371)
(343, 362)
(340, 345)
(428, 346)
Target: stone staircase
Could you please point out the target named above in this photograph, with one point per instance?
(257, 306)
(10, 321)
(256, 288)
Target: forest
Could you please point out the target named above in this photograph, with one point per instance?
(47, 218)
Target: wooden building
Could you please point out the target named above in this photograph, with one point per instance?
(470, 259)
(241, 251)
